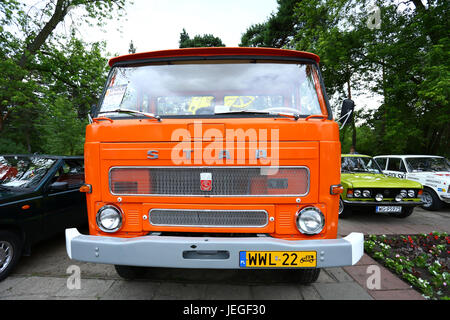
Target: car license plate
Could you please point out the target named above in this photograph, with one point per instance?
(389, 209)
(277, 259)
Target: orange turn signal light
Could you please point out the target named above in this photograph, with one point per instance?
(86, 188)
(337, 189)
(420, 192)
(26, 207)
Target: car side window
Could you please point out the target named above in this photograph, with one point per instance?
(71, 172)
(394, 164)
(382, 163)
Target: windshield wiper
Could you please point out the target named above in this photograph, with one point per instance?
(290, 115)
(135, 112)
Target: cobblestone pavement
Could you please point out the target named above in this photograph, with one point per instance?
(47, 274)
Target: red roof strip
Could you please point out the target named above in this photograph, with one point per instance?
(215, 51)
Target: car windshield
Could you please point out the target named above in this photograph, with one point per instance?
(427, 164)
(22, 171)
(214, 89)
(359, 164)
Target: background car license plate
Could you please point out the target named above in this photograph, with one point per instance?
(389, 209)
(277, 259)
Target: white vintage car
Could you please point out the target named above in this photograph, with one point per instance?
(433, 172)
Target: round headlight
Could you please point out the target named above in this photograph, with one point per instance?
(403, 193)
(379, 197)
(109, 218)
(411, 193)
(310, 220)
(366, 193)
(398, 197)
(357, 193)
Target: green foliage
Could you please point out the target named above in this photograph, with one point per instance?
(49, 81)
(206, 40)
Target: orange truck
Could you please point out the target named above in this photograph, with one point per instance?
(221, 158)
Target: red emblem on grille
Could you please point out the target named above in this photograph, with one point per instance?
(206, 181)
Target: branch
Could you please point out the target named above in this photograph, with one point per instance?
(61, 9)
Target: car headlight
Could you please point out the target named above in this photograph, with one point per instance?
(411, 193)
(366, 194)
(403, 193)
(379, 197)
(310, 220)
(109, 218)
(357, 193)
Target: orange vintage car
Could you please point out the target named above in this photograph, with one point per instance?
(214, 158)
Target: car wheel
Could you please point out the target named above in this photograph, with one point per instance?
(10, 252)
(431, 200)
(307, 276)
(344, 211)
(129, 272)
(406, 212)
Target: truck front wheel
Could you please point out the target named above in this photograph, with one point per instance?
(129, 272)
(308, 276)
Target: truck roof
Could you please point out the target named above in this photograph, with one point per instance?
(214, 52)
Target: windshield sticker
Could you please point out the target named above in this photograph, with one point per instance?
(113, 97)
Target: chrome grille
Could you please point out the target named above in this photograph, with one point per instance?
(208, 218)
(226, 181)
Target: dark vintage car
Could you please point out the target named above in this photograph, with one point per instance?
(39, 197)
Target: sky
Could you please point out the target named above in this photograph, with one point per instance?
(157, 24)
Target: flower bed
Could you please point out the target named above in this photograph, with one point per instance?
(422, 260)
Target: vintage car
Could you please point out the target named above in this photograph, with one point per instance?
(366, 187)
(39, 197)
(433, 172)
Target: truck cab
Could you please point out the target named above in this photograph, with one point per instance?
(224, 158)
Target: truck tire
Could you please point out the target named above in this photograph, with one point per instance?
(431, 199)
(10, 252)
(129, 272)
(308, 276)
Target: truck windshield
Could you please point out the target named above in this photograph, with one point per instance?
(427, 164)
(214, 89)
(359, 164)
(22, 172)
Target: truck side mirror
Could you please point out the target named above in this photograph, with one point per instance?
(348, 106)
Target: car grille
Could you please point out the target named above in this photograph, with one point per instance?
(225, 181)
(208, 218)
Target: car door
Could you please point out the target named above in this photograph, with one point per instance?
(396, 168)
(64, 204)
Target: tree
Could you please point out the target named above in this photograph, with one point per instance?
(41, 68)
(206, 40)
(277, 31)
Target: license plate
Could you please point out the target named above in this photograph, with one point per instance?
(277, 259)
(389, 209)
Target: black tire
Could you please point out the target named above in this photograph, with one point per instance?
(344, 210)
(10, 252)
(307, 276)
(406, 212)
(129, 272)
(433, 203)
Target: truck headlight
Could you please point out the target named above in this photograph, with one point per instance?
(411, 193)
(357, 193)
(109, 218)
(403, 193)
(310, 220)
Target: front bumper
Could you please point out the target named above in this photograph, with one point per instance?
(381, 203)
(203, 252)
